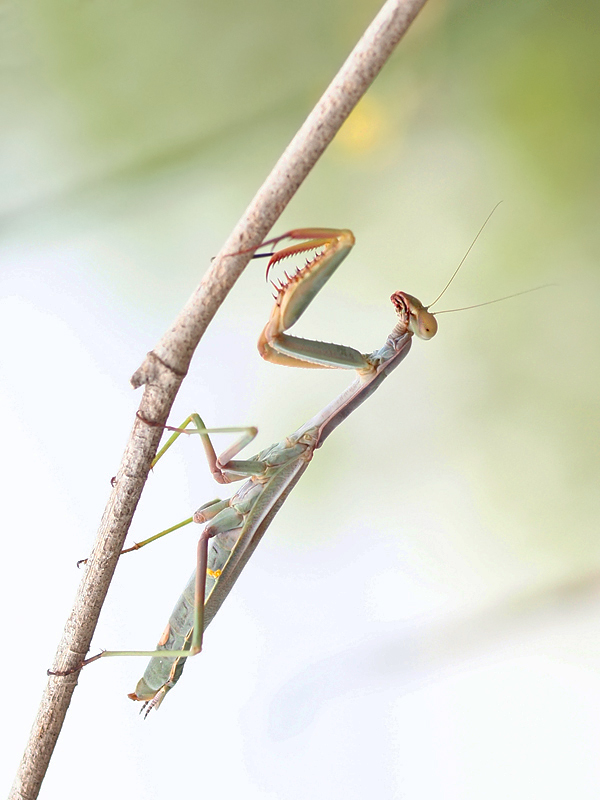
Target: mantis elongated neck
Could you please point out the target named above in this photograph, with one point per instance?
(387, 359)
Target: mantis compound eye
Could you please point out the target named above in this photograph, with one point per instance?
(424, 324)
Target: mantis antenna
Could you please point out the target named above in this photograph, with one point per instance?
(462, 261)
(497, 300)
(488, 302)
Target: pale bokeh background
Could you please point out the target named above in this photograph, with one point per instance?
(423, 618)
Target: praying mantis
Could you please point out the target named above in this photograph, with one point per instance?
(234, 527)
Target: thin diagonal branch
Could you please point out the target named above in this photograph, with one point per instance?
(165, 367)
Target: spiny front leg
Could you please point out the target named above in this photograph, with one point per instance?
(329, 247)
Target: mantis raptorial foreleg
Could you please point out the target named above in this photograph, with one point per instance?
(295, 296)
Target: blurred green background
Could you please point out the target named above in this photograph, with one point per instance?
(429, 594)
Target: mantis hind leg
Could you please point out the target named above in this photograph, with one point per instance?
(228, 519)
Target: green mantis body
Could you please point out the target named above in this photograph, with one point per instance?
(234, 527)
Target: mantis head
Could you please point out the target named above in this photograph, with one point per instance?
(414, 315)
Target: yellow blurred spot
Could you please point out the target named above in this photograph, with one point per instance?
(215, 574)
(365, 127)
